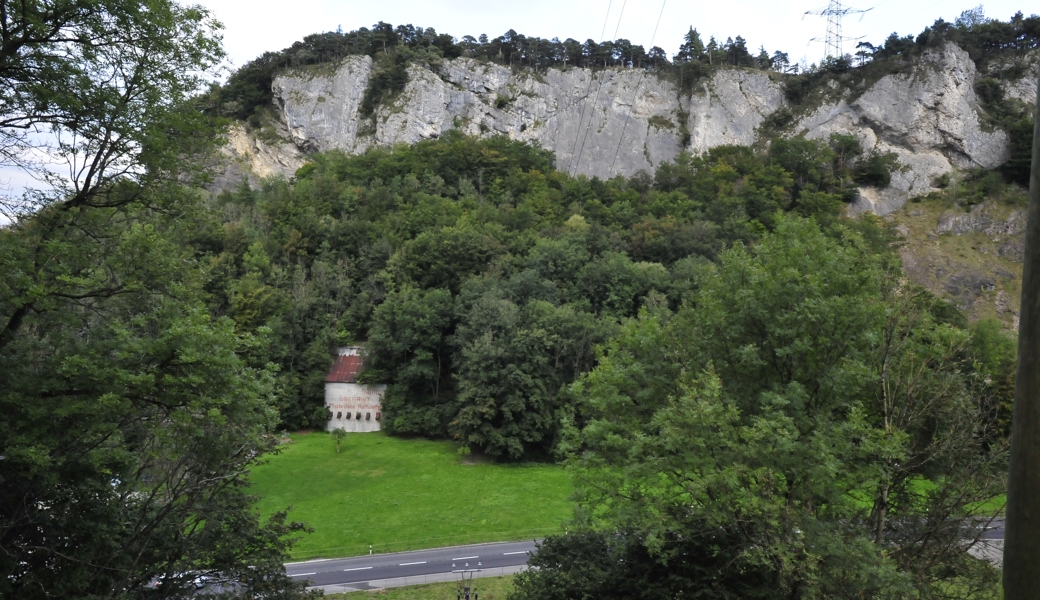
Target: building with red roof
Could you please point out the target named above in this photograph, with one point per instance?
(353, 406)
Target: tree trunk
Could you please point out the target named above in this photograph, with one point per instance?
(1022, 533)
(882, 512)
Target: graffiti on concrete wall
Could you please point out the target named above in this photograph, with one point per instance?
(354, 407)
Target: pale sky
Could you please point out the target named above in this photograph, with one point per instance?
(255, 26)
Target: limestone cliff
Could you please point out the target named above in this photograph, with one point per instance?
(599, 123)
(247, 156)
(618, 122)
(929, 118)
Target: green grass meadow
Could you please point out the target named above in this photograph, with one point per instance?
(405, 494)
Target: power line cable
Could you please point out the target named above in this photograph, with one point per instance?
(606, 19)
(621, 14)
(588, 125)
(581, 117)
(642, 74)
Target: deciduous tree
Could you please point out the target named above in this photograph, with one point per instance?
(129, 415)
(804, 424)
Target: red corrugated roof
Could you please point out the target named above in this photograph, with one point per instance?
(344, 370)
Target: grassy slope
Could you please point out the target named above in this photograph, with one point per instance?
(490, 588)
(399, 494)
(932, 259)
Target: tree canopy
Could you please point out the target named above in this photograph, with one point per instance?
(129, 412)
(479, 278)
(804, 427)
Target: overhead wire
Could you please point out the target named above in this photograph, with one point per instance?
(581, 117)
(606, 19)
(575, 163)
(635, 95)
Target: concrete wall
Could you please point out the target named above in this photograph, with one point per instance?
(354, 407)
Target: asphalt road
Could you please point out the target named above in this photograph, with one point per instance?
(407, 564)
(995, 531)
(457, 559)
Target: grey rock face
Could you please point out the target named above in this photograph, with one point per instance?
(247, 157)
(1013, 250)
(980, 220)
(928, 118)
(1024, 88)
(599, 123)
(619, 122)
(966, 288)
(731, 108)
(321, 111)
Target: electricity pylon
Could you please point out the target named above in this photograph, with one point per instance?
(834, 13)
(466, 589)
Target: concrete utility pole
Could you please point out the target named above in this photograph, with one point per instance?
(1022, 533)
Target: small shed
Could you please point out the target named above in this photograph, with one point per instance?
(353, 407)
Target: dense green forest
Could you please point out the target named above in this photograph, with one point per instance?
(481, 280)
(807, 425)
(715, 336)
(130, 413)
(426, 254)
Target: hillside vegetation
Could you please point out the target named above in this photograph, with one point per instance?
(716, 335)
(480, 279)
(752, 396)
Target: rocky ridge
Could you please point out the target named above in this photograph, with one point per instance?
(973, 257)
(929, 118)
(599, 123)
(619, 122)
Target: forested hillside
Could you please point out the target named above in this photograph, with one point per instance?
(716, 336)
(481, 280)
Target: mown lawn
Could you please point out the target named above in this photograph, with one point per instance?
(405, 494)
(490, 588)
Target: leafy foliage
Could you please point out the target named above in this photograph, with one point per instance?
(129, 414)
(73, 70)
(801, 428)
(479, 278)
(130, 417)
